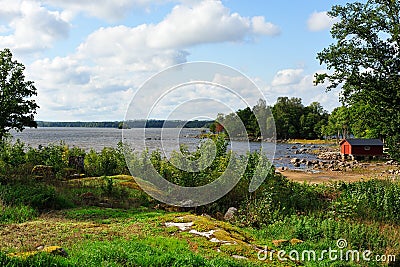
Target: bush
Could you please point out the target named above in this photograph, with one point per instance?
(321, 232)
(110, 161)
(38, 196)
(12, 154)
(16, 214)
(17, 160)
(374, 199)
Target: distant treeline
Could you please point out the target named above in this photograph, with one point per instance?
(129, 124)
(102, 124)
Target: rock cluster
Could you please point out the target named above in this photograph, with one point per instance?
(333, 165)
(330, 156)
(302, 149)
(309, 163)
(393, 171)
(392, 163)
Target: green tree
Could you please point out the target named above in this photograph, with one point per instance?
(338, 123)
(312, 120)
(17, 109)
(364, 123)
(249, 120)
(287, 113)
(365, 62)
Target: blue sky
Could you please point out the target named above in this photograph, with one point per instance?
(88, 58)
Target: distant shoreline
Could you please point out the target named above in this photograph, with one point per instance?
(129, 124)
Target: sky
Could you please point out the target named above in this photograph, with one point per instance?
(88, 59)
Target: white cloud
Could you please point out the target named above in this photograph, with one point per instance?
(4, 29)
(296, 83)
(34, 27)
(9, 9)
(264, 28)
(319, 21)
(60, 71)
(287, 77)
(111, 10)
(206, 22)
(161, 44)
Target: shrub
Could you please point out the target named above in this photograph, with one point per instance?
(12, 154)
(110, 161)
(38, 196)
(16, 214)
(374, 199)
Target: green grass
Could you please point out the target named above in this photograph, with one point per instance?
(36, 195)
(16, 214)
(101, 215)
(312, 142)
(151, 251)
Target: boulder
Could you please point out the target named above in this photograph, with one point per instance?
(294, 160)
(295, 241)
(230, 214)
(280, 242)
(77, 162)
(43, 171)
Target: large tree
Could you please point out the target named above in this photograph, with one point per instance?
(313, 119)
(338, 123)
(287, 113)
(17, 108)
(364, 61)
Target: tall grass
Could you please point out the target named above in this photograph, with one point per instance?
(374, 199)
(16, 214)
(35, 195)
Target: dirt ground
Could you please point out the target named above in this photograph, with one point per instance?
(369, 171)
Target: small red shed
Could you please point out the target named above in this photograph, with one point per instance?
(361, 147)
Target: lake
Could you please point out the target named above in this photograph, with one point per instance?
(172, 138)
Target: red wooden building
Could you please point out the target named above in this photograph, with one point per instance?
(356, 148)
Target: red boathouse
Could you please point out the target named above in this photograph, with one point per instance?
(361, 148)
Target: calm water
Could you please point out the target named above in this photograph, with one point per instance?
(98, 138)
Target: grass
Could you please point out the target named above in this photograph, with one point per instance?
(95, 236)
(312, 142)
(116, 237)
(151, 251)
(16, 214)
(109, 221)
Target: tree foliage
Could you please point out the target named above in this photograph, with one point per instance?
(294, 120)
(364, 62)
(338, 123)
(17, 109)
(289, 117)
